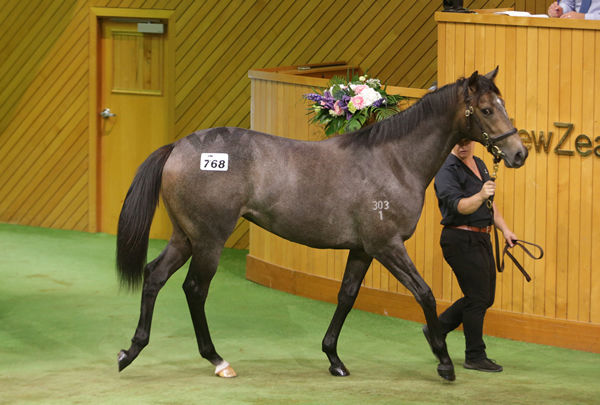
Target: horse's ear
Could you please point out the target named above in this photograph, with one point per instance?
(492, 75)
(473, 82)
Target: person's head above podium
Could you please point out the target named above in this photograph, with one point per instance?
(575, 9)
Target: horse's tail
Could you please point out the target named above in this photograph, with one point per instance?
(136, 217)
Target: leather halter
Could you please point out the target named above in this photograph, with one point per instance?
(488, 141)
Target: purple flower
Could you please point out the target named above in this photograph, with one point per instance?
(313, 97)
(379, 102)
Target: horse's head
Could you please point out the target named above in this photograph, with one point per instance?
(487, 121)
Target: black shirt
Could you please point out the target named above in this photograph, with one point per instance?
(456, 181)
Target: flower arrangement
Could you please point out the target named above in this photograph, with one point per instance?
(348, 105)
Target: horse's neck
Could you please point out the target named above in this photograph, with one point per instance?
(428, 145)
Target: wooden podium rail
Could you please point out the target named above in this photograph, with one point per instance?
(277, 107)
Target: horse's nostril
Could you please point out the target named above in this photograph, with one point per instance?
(520, 157)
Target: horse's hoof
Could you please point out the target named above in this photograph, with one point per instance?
(339, 371)
(123, 360)
(225, 370)
(446, 372)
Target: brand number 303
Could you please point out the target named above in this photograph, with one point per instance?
(381, 205)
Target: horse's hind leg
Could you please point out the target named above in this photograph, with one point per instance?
(156, 274)
(397, 261)
(356, 268)
(202, 269)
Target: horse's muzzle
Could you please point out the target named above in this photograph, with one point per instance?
(517, 159)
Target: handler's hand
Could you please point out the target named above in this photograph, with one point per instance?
(555, 10)
(510, 237)
(488, 190)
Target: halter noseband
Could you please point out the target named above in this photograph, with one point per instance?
(488, 141)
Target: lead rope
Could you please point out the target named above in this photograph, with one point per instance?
(517, 242)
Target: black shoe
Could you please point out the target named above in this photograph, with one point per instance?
(484, 364)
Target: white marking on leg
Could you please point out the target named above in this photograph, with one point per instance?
(122, 355)
(223, 369)
(221, 366)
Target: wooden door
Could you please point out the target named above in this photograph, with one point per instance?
(134, 106)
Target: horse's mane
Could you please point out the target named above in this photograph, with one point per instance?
(432, 104)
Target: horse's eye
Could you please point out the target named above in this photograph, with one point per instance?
(486, 111)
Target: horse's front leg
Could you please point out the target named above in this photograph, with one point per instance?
(356, 268)
(396, 260)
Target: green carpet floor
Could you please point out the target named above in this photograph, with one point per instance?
(63, 320)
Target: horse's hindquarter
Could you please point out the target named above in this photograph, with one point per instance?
(204, 182)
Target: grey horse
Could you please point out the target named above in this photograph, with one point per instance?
(361, 191)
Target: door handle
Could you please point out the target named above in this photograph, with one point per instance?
(106, 113)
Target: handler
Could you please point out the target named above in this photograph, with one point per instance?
(463, 187)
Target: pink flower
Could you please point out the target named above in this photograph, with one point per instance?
(337, 110)
(358, 101)
(358, 89)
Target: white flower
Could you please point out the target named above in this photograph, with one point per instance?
(374, 82)
(368, 95)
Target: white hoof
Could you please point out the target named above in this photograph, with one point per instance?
(225, 370)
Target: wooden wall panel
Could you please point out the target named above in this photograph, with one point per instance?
(43, 116)
(44, 78)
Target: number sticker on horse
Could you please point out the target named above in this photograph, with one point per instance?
(218, 162)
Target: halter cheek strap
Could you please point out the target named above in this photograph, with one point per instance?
(488, 141)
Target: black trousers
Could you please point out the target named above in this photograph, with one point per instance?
(472, 261)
